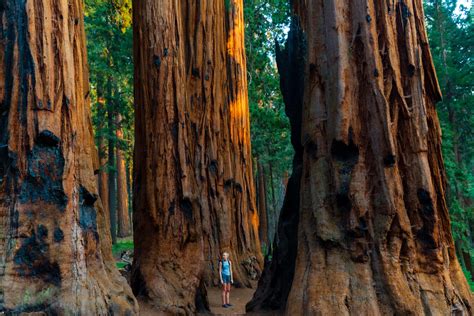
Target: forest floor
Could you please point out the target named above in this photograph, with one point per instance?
(238, 296)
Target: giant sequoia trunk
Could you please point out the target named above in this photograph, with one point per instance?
(55, 254)
(374, 234)
(193, 194)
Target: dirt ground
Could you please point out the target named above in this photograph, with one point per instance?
(238, 298)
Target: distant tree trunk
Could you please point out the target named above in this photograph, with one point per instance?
(464, 256)
(272, 211)
(194, 195)
(262, 206)
(272, 185)
(129, 193)
(468, 262)
(281, 193)
(55, 254)
(285, 179)
(273, 223)
(122, 192)
(103, 187)
(112, 179)
(374, 234)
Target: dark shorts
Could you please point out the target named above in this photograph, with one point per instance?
(226, 279)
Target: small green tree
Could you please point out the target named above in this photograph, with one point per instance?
(109, 39)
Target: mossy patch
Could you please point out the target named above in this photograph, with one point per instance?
(122, 245)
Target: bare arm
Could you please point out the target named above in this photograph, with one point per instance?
(220, 271)
(231, 276)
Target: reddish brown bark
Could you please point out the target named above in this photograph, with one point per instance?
(193, 189)
(102, 183)
(55, 253)
(129, 192)
(262, 206)
(112, 172)
(103, 165)
(123, 220)
(374, 234)
(285, 179)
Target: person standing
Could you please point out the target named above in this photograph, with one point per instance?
(225, 273)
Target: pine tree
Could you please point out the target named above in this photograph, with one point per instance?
(450, 28)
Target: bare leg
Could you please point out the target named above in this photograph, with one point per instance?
(224, 294)
(228, 294)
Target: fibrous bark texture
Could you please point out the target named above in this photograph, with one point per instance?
(55, 254)
(374, 234)
(123, 219)
(193, 184)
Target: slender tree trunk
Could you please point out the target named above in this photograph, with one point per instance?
(129, 193)
(103, 178)
(103, 187)
(468, 262)
(463, 256)
(281, 193)
(112, 179)
(194, 195)
(273, 227)
(262, 206)
(122, 193)
(374, 234)
(272, 186)
(285, 179)
(272, 212)
(55, 254)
